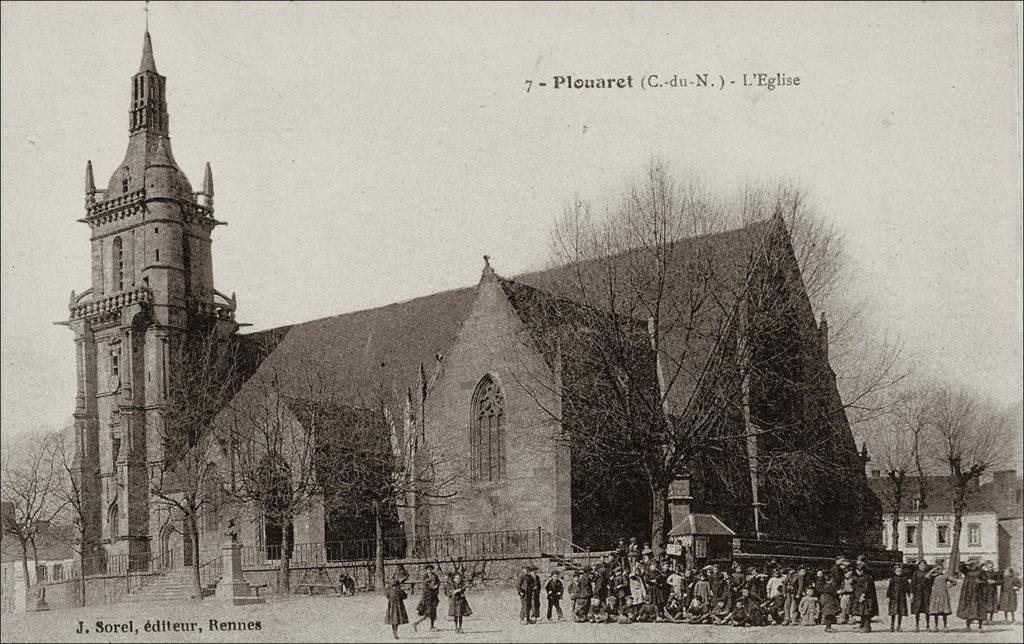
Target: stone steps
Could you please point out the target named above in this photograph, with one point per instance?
(170, 585)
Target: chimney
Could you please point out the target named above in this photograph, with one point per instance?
(1004, 491)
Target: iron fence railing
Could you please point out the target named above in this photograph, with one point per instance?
(442, 546)
(211, 571)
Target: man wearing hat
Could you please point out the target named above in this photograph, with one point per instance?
(525, 587)
(427, 608)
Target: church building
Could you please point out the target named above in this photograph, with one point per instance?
(481, 386)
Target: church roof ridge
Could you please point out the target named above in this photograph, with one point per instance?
(517, 279)
(371, 309)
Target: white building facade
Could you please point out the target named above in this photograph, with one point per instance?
(979, 536)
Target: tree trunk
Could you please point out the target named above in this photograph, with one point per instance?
(284, 586)
(659, 526)
(920, 532)
(193, 535)
(378, 550)
(24, 571)
(958, 521)
(895, 545)
(921, 501)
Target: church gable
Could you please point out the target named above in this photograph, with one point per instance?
(493, 408)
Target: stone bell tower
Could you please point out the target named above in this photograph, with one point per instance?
(152, 282)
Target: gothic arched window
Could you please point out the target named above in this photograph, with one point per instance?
(487, 432)
(119, 263)
(212, 501)
(112, 520)
(124, 180)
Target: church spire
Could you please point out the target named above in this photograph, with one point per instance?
(149, 95)
(148, 64)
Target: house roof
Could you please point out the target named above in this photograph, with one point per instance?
(702, 525)
(52, 544)
(939, 495)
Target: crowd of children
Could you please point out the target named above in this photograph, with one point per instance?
(633, 585)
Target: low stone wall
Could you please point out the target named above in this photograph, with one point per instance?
(759, 552)
(487, 572)
(106, 589)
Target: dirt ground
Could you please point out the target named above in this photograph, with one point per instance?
(360, 618)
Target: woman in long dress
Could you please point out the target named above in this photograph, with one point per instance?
(1008, 595)
(458, 605)
(938, 603)
(396, 615)
(970, 607)
(921, 589)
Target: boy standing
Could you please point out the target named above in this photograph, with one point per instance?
(554, 591)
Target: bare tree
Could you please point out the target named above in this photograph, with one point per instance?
(914, 411)
(32, 480)
(371, 465)
(187, 482)
(973, 437)
(75, 507)
(895, 455)
(271, 428)
(696, 353)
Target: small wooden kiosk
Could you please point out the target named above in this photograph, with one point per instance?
(704, 539)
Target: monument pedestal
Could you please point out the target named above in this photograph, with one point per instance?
(232, 587)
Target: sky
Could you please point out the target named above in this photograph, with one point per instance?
(370, 153)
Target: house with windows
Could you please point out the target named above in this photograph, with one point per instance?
(980, 534)
(51, 560)
(1006, 493)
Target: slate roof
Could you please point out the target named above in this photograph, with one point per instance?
(938, 495)
(407, 334)
(52, 544)
(702, 524)
(351, 347)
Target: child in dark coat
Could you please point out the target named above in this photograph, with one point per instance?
(395, 614)
(829, 600)
(554, 590)
(921, 592)
(458, 605)
(899, 588)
